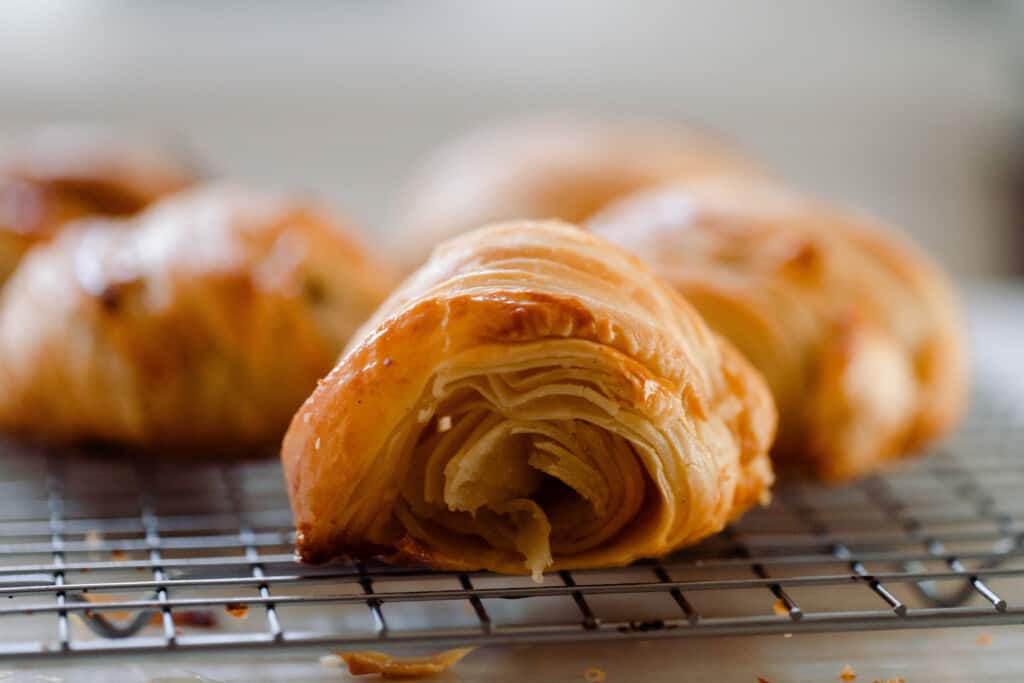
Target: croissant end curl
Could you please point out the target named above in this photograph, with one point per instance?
(533, 398)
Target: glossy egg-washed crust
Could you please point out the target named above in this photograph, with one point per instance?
(549, 167)
(201, 323)
(858, 333)
(60, 173)
(503, 306)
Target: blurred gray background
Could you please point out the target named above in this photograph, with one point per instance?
(913, 109)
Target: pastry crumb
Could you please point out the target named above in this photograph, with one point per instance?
(762, 680)
(983, 639)
(239, 610)
(787, 635)
(193, 618)
(444, 423)
(331, 661)
(847, 674)
(371, 662)
(779, 607)
(93, 537)
(593, 675)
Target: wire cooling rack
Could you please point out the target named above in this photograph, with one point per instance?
(102, 555)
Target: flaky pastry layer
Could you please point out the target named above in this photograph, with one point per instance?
(531, 399)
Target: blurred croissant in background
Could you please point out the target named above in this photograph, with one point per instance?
(203, 322)
(858, 333)
(549, 166)
(60, 173)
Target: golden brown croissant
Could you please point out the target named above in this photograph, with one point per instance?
(204, 321)
(65, 172)
(533, 398)
(545, 167)
(858, 334)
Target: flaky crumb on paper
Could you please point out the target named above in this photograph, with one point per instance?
(847, 674)
(983, 639)
(332, 662)
(370, 662)
(593, 675)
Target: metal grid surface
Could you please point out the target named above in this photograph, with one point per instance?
(101, 555)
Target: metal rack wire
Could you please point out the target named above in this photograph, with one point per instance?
(199, 556)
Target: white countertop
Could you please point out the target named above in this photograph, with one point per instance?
(934, 656)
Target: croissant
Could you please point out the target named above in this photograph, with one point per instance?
(533, 398)
(203, 322)
(61, 173)
(555, 166)
(858, 334)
